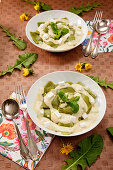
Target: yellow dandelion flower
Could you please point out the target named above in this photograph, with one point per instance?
(87, 66)
(78, 67)
(24, 17)
(37, 7)
(66, 149)
(25, 72)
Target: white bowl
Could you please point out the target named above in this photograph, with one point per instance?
(45, 16)
(65, 76)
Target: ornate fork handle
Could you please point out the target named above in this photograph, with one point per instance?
(33, 149)
(31, 143)
(87, 50)
(97, 18)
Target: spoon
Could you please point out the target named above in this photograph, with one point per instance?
(102, 27)
(10, 110)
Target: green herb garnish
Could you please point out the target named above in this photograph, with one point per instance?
(110, 130)
(59, 32)
(43, 6)
(74, 106)
(72, 102)
(102, 82)
(82, 8)
(88, 151)
(19, 42)
(25, 60)
(63, 96)
(64, 31)
(54, 27)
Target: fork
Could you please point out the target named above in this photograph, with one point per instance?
(97, 18)
(20, 96)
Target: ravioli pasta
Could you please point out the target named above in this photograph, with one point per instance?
(57, 33)
(66, 107)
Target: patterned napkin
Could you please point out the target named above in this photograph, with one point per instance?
(106, 40)
(9, 145)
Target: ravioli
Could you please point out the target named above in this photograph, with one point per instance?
(57, 34)
(66, 107)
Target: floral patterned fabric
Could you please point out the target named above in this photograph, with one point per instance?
(106, 40)
(9, 144)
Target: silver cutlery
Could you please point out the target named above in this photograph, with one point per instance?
(97, 18)
(20, 95)
(102, 27)
(10, 110)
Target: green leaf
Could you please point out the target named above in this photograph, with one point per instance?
(82, 8)
(75, 10)
(110, 85)
(6, 143)
(72, 102)
(88, 151)
(19, 42)
(57, 36)
(25, 60)
(75, 99)
(59, 32)
(110, 130)
(96, 79)
(30, 2)
(102, 82)
(64, 31)
(45, 7)
(54, 27)
(74, 106)
(28, 59)
(62, 96)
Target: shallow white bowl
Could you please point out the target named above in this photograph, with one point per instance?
(74, 77)
(45, 16)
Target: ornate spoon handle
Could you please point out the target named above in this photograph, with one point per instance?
(24, 151)
(94, 53)
(31, 143)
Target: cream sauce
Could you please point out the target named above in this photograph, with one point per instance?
(79, 126)
(62, 44)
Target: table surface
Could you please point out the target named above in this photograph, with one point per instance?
(10, 11)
